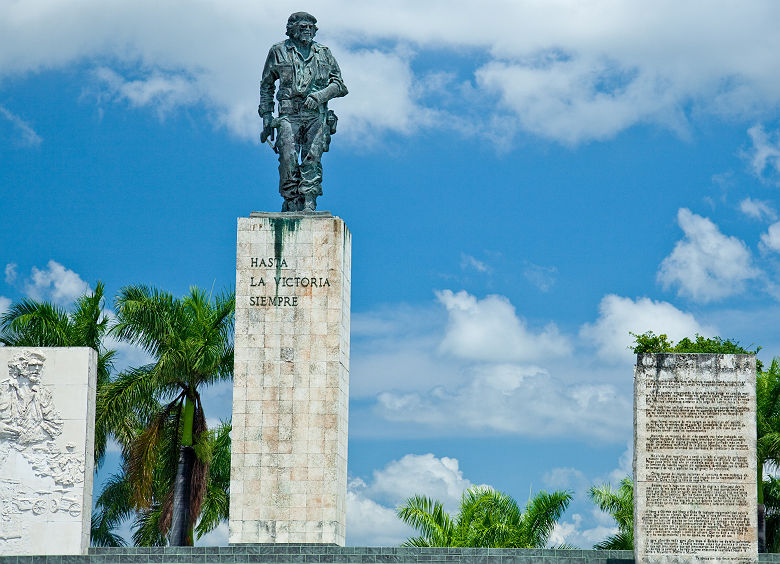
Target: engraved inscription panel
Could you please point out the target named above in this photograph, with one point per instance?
(695, 458)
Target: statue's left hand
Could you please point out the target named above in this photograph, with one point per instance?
(311, 103)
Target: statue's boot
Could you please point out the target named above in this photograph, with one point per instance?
(310, 203)
(293, 204)
(311, 183)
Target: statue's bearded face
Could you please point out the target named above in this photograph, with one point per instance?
(34, 373)
(304, 32)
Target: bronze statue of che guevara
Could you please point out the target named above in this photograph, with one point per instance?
(308, 77)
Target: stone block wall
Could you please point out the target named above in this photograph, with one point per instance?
(291, 380)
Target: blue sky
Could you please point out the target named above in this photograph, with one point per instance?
(525, 184)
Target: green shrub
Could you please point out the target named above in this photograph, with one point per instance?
(651, 343)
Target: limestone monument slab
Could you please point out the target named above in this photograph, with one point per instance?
(291, 379)
(695, 458)
(47, 419)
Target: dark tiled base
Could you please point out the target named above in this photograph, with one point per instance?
(306, 553)
(312, 553)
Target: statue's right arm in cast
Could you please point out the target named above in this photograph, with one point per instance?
(267, 89)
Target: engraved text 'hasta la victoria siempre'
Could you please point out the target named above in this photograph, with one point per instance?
(280, 280)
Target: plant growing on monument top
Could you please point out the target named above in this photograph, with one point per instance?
(619, 504)
(32, 323)
(649, 342)
(486, 518)
(155, 411)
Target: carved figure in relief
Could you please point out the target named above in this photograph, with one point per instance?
(308, 78)
(30, 425)
(26, 407)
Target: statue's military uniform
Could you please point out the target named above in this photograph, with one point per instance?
(300, 129)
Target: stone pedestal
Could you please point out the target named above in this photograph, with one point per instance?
(290, 392)
(47, 443)
(695, 458)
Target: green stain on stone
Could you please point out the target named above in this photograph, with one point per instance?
(280, 226)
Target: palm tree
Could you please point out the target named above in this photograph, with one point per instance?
(768, 435)
(31, 323)
(620, 505)
(114, 504)
(487, 518)
(772, 503)
(155, 411)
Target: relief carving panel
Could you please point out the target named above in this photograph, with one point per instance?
(42, 471)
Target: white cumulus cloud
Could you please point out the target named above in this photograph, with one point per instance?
(543, 277)
(566, 478)
(468, 261)
(764, 154)
(771, 239)
(625, 465)
(372, 524)
(55, 282)
(23, 130)
(596, 526)
(10, 273)
(5, 303)
(439, 478)
(565, 70)
(758, 209)
(371, 518)
(514, 399)
(163, 92)
(574, 532)
(474, 367)
(706, 265)
(490, 329)
(619, 316)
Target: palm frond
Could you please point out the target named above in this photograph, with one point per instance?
(111, 508)
(418, 542)
(620, 505)
(622, 540)
(89, 321)
(29, 323)
(216, 502)
(144, 453)
(429, 518)
(146, 317)
(200, 468)
(541, 514)
(133, 395)
(147, 528)
(488, 518)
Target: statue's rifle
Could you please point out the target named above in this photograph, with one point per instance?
(274, 125)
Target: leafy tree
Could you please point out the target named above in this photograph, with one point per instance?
(155, 413)
(487, 518)
(31, 323)
(771, 497)
(619, 504)
(767, 435)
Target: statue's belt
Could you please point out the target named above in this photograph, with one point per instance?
(295, 106)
